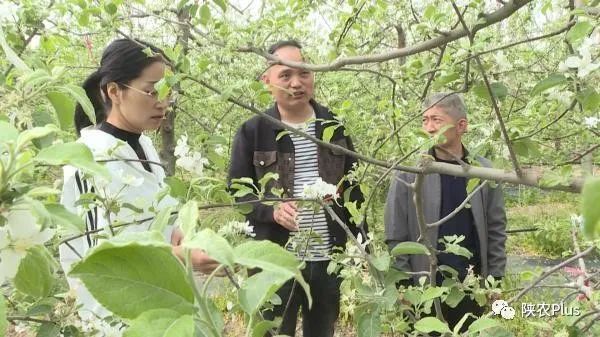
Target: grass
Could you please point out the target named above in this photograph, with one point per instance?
(550, 213)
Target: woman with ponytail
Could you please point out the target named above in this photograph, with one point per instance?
(125, 104)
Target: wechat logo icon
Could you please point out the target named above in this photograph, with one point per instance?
(501, 307)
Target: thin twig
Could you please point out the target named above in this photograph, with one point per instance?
(352, 238)
(417, 189)
(507, 140)
(459, 208)
(549, 272)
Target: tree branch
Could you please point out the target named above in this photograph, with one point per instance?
(549, 272)
(457, 209)
(471, 36)
(455, 34)
(417, 188)
(528, 177)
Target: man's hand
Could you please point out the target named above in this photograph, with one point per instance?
(285, 214)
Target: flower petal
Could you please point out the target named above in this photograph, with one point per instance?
(9, 263)
(21, 224)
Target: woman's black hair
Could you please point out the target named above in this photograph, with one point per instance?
(123, 60)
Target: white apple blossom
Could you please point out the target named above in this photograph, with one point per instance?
(7, 10)
(237, 227)
(190, 161)
(130, 179)
(583, 61)
(194, 164)
(591, 122)
(502, 61)
(182, 148)
(20, 233)
(319, 190)
(562, 96)
(100, 328)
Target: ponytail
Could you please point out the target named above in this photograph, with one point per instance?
(92, 89)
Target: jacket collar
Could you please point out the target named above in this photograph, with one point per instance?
(321, 114)
(431, 152)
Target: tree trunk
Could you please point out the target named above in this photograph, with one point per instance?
(167, 130)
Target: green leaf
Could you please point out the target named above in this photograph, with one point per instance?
(64, 107)
(222, 4)
(458, 250)
(81, 97)
(35, 274)
(34, 133)
(35, 79)
(188, 217)
(454, 297)
(556, 177)
(269, 256)
(162, 219)
(328, 132)
(382, 262)
(84, 18)
(472, 184)
(547, 83)
(242, 192)
(430, 324)
(110, 8)
(408, 248)
(178, 187)
(526, 148)
(163, 88)
(281, 134)
(147, 272)
(8, 133)
(355, 214)
(461, 322)
(266, 178)
(49, 329)
(430, 10)
(204, 14)
(498, 89)
(369, 324)
(76, 154)
(580, 30)
(259, 288)
(589, 99)
(215, 246)
(432, 292)
(590, 196)
(261, 328)
(11, 56)
(161, 323)
(65, 221)
(483, 323)
(3, 321)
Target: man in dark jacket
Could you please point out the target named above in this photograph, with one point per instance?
(260, 147)
(482, 225)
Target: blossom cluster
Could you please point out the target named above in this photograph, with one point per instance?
(319, 190)
(233, 228)
(190, 161)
